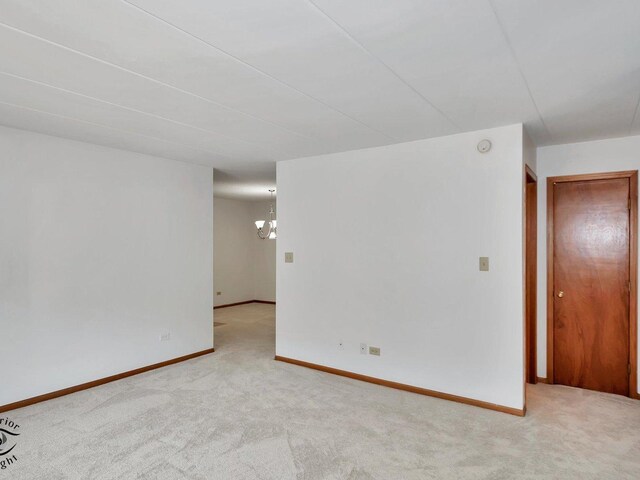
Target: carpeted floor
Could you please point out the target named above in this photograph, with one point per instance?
(238, 414)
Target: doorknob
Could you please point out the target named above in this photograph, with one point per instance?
(560, 294)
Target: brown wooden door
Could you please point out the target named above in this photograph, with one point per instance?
(531, 265)
(591, 284)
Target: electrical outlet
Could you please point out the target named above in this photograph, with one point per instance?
(484, 264)
(363, 348)
(374, 351)
(165, 337)
(218, 293)
(288, 257)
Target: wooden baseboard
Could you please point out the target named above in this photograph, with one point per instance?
(408, 388)
(102, 381)
(542, 380)
(243, 303)
(232, 304)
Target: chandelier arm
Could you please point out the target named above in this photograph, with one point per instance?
(262, 235)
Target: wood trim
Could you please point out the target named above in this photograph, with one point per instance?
(243, 303)
(102, 381)
(530, 174)
(550, 200)
(632, 175)
(233, 304)
(531, 275)
(542, 380)
(593, 176)
(633, 295)
(402, 386)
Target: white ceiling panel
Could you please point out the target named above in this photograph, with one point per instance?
(50, 124)
(63, 68)
(581, 59)
(451, 51)
(240, 84)
(124, 35)
(60, 102)
(293, 41)
(635, 126)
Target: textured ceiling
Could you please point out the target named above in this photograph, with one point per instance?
(239, 84)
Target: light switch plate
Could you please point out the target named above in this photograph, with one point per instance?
(484, 264)
(288, 257)
(374, 351)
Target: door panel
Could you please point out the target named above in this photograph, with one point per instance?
(591, 284)
(531, 279)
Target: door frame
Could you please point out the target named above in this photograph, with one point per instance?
(632, 175)
(531, 275)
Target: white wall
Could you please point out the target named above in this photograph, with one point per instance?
(234, 234)
(572, 159)
(264, 257)
(244, 265)
(101, 251)
(386, 244)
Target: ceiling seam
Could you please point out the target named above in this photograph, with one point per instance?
(515, 59)
(258, 70)
(117, 105)
(384, 64)
(635, 115)
(131, 72)
(111, 128)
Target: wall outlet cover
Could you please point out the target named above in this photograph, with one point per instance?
(363, 348)
(288, 257)
(165, 337)
(374, 351)
(484, 264)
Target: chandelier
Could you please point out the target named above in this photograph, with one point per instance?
(271, 232)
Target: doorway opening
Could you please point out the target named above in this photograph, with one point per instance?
(531, 265)
(592, 281)
(244, 270)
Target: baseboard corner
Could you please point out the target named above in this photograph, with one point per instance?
(246, 302)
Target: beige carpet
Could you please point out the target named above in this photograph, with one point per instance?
(238, 414)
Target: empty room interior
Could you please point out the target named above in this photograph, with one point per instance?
(319, 239)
